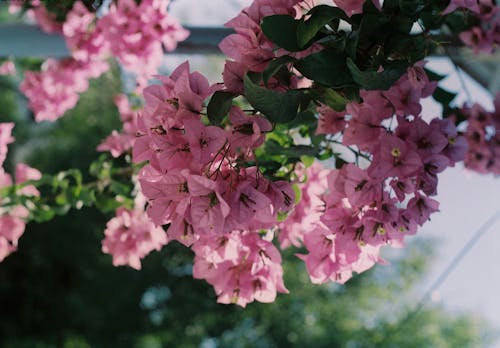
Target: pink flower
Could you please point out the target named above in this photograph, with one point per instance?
(11, 229)
(7, 68)
(241, 266)
(248, 132)
(360, 189)
(138, 33)
(5, 139)
(429, 139)
(130, 236)
(471, 5)
(233, 76)
(204, 142)
(305, 215)
(330, 121)
(420, 208)
(55, 89)
(118, 143)
(364, 128)
(12, 221)
(85, 40)
(208, 209)
(350, 6)
(354, 6)
(394, 157)
(25, 173)
(45, 19)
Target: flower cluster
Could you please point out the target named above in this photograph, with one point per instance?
(199, 184)
(130, 235)
(484, 36)
(7, 68)
(241, 266)
(12, 218)
(55, 89)
(307, 212)
(197, 181)
(471, 5)
(386, 201)
(249, 48)
(218, 177)
(134, 34)
(483, 137)
(43, 18)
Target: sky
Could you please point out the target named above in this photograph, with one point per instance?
(466, 199)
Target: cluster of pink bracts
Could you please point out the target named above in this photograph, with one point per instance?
(135, 34)
(12, 220)
(197, 184)
(483, 137)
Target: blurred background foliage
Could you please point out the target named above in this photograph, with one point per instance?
(60, 290)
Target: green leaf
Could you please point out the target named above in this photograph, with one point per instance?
(86, 197)
(339, 162)
(307, 160)
(443, 96)
(298, 193)
(372, 80)
(433, 76)
(120, 188)
(294, 152)
(42, 213)
(334, 100)
(277, 107)
(373, 30)
(306, 117)
(326, 154)
(281, 29)
(327, 67)
(219, 106)
(275, 66)
(319, 17)
(412, 7)
(106, 204)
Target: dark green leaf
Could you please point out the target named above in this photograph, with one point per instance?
(306, 117)
(319, 17)
(120, 188)
(219, 106)
(326, 154)
(412, 7)
(433, 76)
(107, 204)
(339, 162)
(42, 213)
(276, 106)
(281, 29)
(275, 66)
(374, 29)
(327, 67)
(373, 80)
(334, 100)
(293, 152)
(443, 96)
